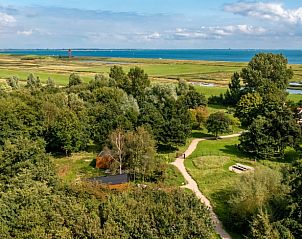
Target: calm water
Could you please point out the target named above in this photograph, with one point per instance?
(294, 56)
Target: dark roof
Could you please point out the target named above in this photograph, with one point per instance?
(112, 180)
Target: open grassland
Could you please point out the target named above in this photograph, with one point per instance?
(209, 164)
(60, 68)
(160, 71)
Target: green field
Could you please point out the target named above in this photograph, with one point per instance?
(160, 71)
(205, 71)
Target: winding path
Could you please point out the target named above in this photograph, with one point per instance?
(192, 185)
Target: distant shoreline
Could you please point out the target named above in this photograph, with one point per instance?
(220, 55)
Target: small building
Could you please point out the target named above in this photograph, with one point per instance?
(113, 181)
(103, 160)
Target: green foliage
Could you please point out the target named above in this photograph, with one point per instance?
(218, 123)
(66, 133)
(99, 81)
(192, 99)
(199, 117)
(134, 151)
(170, 121)
(261, 227)
(248, 108)
(269, 137)
(262, 108)
(33, 82)
(120, 77)
(251, 193)
(74, 79)
(50, 82)
(32, 202)
(154, 213)
(139, 81)
(233, 94)
(18, 118)
(265, 70)
(13, 82)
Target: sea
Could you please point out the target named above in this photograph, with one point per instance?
(224, 55)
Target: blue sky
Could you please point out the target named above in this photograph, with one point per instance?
(151, 24)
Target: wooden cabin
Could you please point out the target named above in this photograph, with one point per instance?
(103, 160)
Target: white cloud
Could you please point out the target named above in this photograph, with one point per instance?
(217, 32)
(6, 20)
(25, 33)
(267, 11)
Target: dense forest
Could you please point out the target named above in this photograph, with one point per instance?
(134, 120)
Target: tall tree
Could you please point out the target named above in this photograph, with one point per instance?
(264, 70)
(218, 123)
(233, 94)
(139, 81)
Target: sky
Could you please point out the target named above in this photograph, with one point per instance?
(151, 24)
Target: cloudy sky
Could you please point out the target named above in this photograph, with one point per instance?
(151, 24)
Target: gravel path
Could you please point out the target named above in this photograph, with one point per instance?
(192, 185)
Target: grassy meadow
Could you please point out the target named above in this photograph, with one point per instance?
(160, 71)
(209, 166)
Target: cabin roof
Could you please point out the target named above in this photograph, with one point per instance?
(111, 180)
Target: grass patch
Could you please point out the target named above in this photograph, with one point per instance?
(173, 176)
(295, 98)
(77, 167)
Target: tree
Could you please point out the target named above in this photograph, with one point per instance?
(120, 77)
(233, 94)
(199, 117)
(13, 82)
(99, 81)
(261, 227)
(140, 153)
(218, 123)
(33, 82)
(193, 99)
(118, 148)
(183, 87)
(66, 133)
(292, 218)
(50, 83)
(248, 108)
(269, 136)
(139, 81)
(154, 213)
(251, 193)
(264, 70)
(74, 79)
(29, 186)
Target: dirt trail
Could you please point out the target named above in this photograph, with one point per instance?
(192, 185)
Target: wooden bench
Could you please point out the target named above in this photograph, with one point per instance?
(239, 168)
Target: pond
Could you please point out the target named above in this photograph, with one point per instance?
(294, 92)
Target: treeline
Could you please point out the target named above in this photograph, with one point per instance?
(258, 94)
(69, 118)
(35, 204)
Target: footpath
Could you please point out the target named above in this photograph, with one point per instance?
(192, 185)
